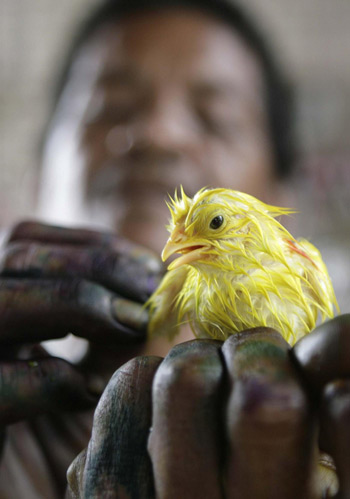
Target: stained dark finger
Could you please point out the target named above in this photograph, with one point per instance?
(269, 422)
(32, 387)
(323, 355)
(186, 439)
(335, 430)
(116, 463)
(32, 231)
(52, 234)
(131, 274)
(36, 310)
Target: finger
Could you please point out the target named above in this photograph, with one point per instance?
(185, 440)
(53, 234)
(335, 430)
(38, 310)
(116, 463)
(269, 422)
(132, 274)
(323, 355)
(32, 387)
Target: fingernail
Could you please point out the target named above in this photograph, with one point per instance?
(130, 314)
(154, 265)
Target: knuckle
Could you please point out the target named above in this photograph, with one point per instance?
(268, 404)
(121, 383)
(102, 261)
(130, 383)
(126, 374)
(182, 375)
(138, 372)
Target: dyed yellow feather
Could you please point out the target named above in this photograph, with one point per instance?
(239, 268)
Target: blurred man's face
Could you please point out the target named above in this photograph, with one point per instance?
(152, 102)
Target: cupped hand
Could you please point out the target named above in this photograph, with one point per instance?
(211, 420)
(55, 281)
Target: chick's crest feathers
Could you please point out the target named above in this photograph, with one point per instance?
(239, 268)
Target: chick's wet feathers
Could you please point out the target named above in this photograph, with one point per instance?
(238, 268)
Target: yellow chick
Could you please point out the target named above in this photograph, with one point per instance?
(238, 268)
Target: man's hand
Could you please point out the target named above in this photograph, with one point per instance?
(323, 358)
(56, 281)
(211, 420)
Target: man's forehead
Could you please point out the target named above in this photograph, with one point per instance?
(173, 43)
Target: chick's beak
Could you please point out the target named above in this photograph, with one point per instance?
(190, 249)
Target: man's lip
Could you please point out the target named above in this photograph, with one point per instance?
(189, 253)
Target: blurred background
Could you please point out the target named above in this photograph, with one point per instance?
(311, 38)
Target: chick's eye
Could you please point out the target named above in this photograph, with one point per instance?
(217, 222)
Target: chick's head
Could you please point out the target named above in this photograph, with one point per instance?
(215, 222)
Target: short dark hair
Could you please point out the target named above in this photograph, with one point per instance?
(279, 96)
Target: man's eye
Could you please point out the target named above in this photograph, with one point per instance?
(115, 113)
(113, 108)
(218, 123)
(216, 222)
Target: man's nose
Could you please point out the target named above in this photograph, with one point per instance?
(168, 124)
